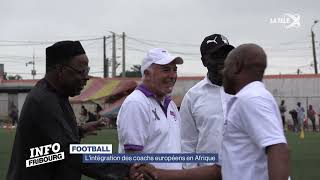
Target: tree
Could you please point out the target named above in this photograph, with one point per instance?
(134, 72)
(136, 68)
(12, 77)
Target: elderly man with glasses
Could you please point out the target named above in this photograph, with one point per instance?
(47, 118)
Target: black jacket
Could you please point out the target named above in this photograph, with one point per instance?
(47, 118)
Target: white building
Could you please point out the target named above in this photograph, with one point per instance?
(292, 88)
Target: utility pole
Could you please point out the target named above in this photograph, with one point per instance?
(105, 59)
(33, 71)
(123, 55)
(314, 54)
(114, 56)
(314, 49)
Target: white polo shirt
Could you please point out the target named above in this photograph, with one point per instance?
(253, 123)
(202, 111)
(145, 125)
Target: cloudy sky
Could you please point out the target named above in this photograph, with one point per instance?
(28, 27)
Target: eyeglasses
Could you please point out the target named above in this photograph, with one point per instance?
(83, 72)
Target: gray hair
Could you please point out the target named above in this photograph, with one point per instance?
(150, 68)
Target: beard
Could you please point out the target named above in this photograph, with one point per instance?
(228, 85)
(71, 90)
(215, 79)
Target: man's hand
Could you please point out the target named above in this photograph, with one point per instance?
(90, 128)
(143, 172)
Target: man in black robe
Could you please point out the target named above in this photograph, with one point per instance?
(47, 118)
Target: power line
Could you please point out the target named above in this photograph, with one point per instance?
(23, 73)
(135, 49)
(164, 42)
(38, 43)
(142, 42)
(18, 57)
(288, 49)
(170, 50)
(17, 62)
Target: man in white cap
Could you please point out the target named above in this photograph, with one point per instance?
(149, 121)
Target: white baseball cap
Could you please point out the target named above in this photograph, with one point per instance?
(158, 56)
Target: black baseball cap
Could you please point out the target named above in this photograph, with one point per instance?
(213, 43)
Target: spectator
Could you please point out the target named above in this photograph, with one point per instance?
(312, 116)
(283, 109)
(83, 116)
(319, 116)
(294, 116)
(98, 109)
(300, 115)
(91, 117)
(14, 113)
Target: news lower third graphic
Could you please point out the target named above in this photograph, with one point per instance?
(102, 153)
(151, 158)
(40, 155)
(90, 148)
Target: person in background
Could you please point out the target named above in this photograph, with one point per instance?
(283, 110)
(294, 116)
(14, 113)
(312, 116)
(300, 116)
(98, 109)
(83, 116)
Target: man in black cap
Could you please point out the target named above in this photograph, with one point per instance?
(47, 121)
(203, 107)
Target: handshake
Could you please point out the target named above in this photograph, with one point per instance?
(142, 172)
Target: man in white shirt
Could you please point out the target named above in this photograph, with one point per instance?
(202, 113)
(254, 146)
(148, 120)
(204, 105)
(301, 115)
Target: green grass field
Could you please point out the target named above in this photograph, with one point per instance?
(304, 154)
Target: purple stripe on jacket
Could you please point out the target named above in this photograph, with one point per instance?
(148, 93)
